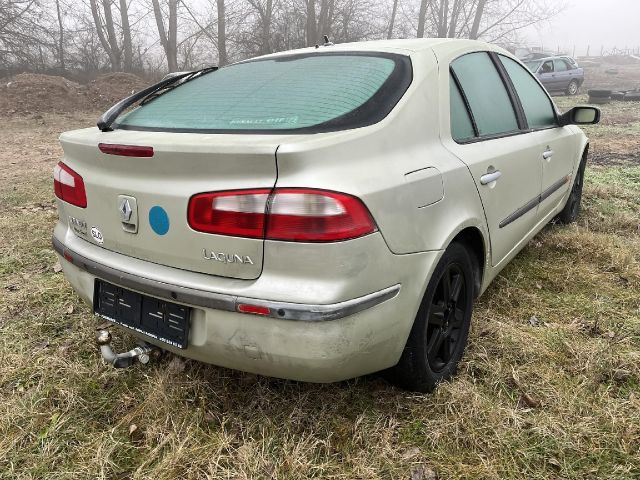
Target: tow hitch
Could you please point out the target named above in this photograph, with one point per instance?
(126, 359)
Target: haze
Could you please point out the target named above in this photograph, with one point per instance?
(598, 23)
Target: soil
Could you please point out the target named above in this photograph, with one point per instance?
(30, 93)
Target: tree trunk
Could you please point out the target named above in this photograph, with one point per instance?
(222, 35)
(393, 20)
(126, 37)
(111, 35)
(60, 37)
(168, 40)
(100, 31)
(422, 17)
(266, 27)
(443, 17)
(312, 34)
(476, 20)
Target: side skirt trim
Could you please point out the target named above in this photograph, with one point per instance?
(533, 203)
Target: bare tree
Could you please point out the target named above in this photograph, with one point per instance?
(127, 45)
(392, 21)
(422, 16)
(222, 34)
(169, 35)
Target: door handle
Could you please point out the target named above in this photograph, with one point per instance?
(488, 178)
(547, 154)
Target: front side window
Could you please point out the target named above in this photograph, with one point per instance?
(297, 93)
(487, 96)
(537, 106)
(547, 67)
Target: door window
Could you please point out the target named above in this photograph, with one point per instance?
(547, 67)
(487, 96)
(560, 66)
(537, 106)
(461, 126)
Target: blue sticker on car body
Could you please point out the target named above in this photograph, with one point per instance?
(159, 220)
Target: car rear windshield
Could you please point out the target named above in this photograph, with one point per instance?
(296, 93)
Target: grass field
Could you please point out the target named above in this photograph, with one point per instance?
(555, 396)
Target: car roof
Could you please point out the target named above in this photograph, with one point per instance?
(406, 46)
(555, 57)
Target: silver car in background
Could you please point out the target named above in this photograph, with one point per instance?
(558, 74)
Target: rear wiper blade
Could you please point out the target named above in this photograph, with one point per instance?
(148, 94)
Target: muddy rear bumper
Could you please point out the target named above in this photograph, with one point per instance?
(309, 342)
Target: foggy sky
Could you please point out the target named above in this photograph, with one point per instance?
(608, 23)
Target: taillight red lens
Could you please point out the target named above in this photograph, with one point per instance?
(239, 213)
(288, 214)
(126, 150)
(69, 186)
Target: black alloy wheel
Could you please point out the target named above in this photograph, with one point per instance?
(439, 333)
(446, 318)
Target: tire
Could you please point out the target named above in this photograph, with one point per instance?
(632, 97)
(571, 210)
(599, 100)
(599, 93)
(617, 96)
(441, 327)
(573, 88)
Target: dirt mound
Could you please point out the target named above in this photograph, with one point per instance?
(35, 93)
(30, 93)
(110, 88)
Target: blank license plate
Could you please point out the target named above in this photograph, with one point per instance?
(164, 321)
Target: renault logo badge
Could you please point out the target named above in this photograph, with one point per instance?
(128, 210)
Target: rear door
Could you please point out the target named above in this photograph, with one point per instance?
(562, 74)
(488, 137)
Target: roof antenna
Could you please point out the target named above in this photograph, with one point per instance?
(327, 43)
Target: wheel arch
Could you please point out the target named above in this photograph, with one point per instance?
(474, 241)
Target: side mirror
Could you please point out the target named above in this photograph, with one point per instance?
(580, 116)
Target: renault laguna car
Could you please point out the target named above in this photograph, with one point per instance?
(317, 214)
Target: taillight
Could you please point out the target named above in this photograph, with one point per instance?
(126, 150)
(69, 186)
(288, 214)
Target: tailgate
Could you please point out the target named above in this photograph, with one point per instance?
(158, 190)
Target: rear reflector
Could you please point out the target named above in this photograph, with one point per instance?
(126, 150)
(69, 186)
(288, 214)
(255, 309)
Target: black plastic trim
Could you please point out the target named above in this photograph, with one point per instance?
(533, 203)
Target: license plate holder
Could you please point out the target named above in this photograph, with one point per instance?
(165, 321)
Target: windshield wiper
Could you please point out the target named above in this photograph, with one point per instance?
(146, 95)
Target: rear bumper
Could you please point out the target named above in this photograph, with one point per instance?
(218, 301)
(301, 341)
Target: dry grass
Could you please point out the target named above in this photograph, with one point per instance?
(554, 397)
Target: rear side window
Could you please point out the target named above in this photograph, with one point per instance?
(299, 93)
(461, 126)
(487, 96)
(560, 66)
(537, 106)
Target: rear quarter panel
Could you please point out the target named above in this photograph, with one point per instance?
(389, 164)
